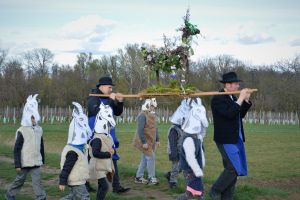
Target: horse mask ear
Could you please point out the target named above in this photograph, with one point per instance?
(77, 109)
(29, 98)
(154, 102)
(199, 101)
(102, 106)
(34, 97)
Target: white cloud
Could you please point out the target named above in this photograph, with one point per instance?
(247, 34)
(90, 26)
(295, 42)
(266, 53)
(250, 33)
(255, 39)
(98, 35)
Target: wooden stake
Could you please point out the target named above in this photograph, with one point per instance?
(197, 94)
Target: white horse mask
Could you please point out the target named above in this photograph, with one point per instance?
(104, 119)
(30, 109)
(148, 103)
(181, 112)
(79, 130)
(196, 121)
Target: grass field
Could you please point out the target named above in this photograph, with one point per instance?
(273, 154)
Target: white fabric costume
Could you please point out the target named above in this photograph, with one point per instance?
(195, 123)
(181, 112)
(148, 103)
(30, 109)
(104, 121)
(79, 130)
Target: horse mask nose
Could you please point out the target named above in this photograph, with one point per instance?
(104, 119)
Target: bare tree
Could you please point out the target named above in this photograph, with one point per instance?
(82, 64)
(3, 54)
(290, 79)
(38, 61)
(131, 65)
(13, 87)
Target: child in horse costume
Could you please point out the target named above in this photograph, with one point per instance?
(28, 151)
(145, 140)
(192, 160)
(175, 135)
(74, 162)
(101, 150)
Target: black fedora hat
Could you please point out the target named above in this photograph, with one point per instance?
(230, 77)
(105, 80)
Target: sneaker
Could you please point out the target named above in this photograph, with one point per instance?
(121, 190)
(140, 180)
(152, 181)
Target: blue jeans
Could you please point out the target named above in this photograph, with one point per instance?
(149, 162)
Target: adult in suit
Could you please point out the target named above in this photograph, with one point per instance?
(229, 137)
(115, 101)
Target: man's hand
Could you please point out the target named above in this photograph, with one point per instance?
(61, 188)
(119, 97)
(145, 146)
(112, 96)
(18, 169)
(248, 96)
(244, 96)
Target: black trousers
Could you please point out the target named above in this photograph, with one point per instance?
(116, 178)
(225, 184)
(102, 188)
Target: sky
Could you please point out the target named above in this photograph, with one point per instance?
(257, 32)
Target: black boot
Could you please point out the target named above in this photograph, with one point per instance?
(121, 190)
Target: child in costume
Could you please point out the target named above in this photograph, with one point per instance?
(28, 151)
(192, 159)
(145, 140)
(101, 150)
(74, 162)
(175, 135)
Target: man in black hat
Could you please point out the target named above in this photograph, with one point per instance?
(115, 101)
(228, 112)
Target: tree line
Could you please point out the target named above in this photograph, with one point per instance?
(58, 85)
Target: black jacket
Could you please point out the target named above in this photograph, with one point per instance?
(226, 116)
(96, 145)
(70, 161)
(93, 104)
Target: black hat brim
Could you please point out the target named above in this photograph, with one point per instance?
(104, 84)
(231, 81)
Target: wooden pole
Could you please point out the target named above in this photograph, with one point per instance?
(197, 94)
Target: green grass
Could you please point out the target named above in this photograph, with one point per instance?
(273, 154)
(249, 192)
